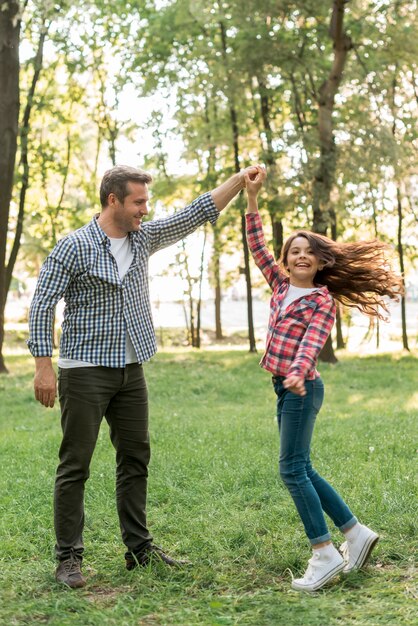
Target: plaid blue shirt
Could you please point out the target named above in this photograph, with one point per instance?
(99, 307)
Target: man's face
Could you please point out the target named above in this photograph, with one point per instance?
(127, 215)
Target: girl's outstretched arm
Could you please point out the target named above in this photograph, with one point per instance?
(255, 236)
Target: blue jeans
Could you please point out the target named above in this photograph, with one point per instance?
(311, 493)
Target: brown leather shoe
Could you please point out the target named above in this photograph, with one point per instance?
(148, 555)
(69, 573)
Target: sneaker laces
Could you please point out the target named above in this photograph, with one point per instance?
(72, 565)
(344, 549)
(312, 565)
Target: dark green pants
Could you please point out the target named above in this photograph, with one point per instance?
(86, 395)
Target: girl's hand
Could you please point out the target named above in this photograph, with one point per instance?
(254, 180)
(295, 384)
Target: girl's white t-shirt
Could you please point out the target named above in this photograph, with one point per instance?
(121, 250)
(293, 293)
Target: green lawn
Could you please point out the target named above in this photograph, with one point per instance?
(215, 497)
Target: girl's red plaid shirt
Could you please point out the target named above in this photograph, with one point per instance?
(296, 335)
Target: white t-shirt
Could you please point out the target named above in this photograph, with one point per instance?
(121, 250)
(293, 293)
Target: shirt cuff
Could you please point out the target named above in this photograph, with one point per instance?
(209, 207)
(37, 350)
(295, 371)
(253, 217)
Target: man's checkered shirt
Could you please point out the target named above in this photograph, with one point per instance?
(295, 336)
(99, 307)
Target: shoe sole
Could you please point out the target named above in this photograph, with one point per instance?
(77, 585)
(323, 581)
(364, 554)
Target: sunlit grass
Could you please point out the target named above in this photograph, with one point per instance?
(214, 497)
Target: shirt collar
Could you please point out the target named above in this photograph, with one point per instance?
(101, 236)
(322, 289)
(98, 231)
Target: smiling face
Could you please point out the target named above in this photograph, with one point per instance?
(301, 263)
(120, 218)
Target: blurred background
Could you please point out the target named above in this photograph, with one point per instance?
(325, 94)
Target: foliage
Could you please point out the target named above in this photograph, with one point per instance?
(205, 63)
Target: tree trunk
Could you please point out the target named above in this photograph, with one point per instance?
(251, 335)
(338, 318)
(211, 178)
(192, 326)
(402, 268)
(217, 278)
(199, 301)
(400, 217)
(338, 328)
(277, 229)
(272, 182)
(235, 143)
(376, 234)
(327, 354)
(24, 161)
(9, 119)
(325, 175)
(324, 178)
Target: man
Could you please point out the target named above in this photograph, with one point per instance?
(101, 271)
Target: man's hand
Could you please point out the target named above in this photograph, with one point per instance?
(295, 384)
(45, 381)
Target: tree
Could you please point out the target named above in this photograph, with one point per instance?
(334, 121)
(55, 20)
(24, 151)
(323, 213)
(10, 22)
(384, 128)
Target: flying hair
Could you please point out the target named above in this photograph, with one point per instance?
(357, 274)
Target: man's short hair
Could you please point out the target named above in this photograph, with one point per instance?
(116, 179)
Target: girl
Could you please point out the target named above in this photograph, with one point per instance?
(302, 314)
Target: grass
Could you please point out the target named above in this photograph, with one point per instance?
(214, 496)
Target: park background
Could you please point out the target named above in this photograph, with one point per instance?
(325, 94)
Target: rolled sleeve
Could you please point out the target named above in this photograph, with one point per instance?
(209, 207)
(167, 231)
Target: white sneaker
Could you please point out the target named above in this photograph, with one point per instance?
(357, 551)
(321, 569)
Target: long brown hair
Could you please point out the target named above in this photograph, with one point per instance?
(357, 274)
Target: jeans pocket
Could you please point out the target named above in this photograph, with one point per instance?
(62, 382)
(317, 394)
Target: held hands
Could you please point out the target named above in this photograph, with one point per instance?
(254, 177)
(251, 171)
(295, 384)
(224, 193)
